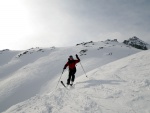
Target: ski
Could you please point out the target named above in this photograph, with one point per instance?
(71, 86)
(63, 84)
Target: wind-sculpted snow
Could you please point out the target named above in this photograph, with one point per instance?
(119, 87)
(36, 71)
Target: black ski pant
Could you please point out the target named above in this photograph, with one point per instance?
(71, 76)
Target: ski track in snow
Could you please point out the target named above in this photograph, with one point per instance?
(122, 86)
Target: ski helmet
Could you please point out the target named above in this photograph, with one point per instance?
(70, 56)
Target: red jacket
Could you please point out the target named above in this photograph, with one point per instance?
(71, 64)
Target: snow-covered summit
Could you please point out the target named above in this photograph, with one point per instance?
(137, 43)
(91, 43)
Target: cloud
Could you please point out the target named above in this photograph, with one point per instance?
(67, 22)
(111, 35)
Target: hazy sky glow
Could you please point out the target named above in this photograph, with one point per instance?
(45, 23)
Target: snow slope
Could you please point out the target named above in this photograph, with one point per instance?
(36, 71)
(122, 86)
(6, 55)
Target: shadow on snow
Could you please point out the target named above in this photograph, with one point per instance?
(91, 83)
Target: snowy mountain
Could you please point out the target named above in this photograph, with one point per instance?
(29, 74)
(137, 43)
(122, 86)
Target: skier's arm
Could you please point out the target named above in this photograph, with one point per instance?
(66, 65)
(77, 58)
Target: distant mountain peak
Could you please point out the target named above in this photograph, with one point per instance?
(114, 40)
(86, 44)
(137, 43)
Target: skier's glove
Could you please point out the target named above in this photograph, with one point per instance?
(77, 56)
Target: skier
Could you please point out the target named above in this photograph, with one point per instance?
(72, 68)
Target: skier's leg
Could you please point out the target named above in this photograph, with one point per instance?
(73, 75)
(69, 77)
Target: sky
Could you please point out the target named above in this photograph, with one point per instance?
(45, 23)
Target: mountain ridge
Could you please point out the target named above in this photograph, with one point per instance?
(137, 43)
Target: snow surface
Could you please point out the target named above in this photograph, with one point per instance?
(32, 75)
(119, 87)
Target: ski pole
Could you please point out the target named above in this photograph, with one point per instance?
(59, 78)
(83, 69)
(81, 65)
